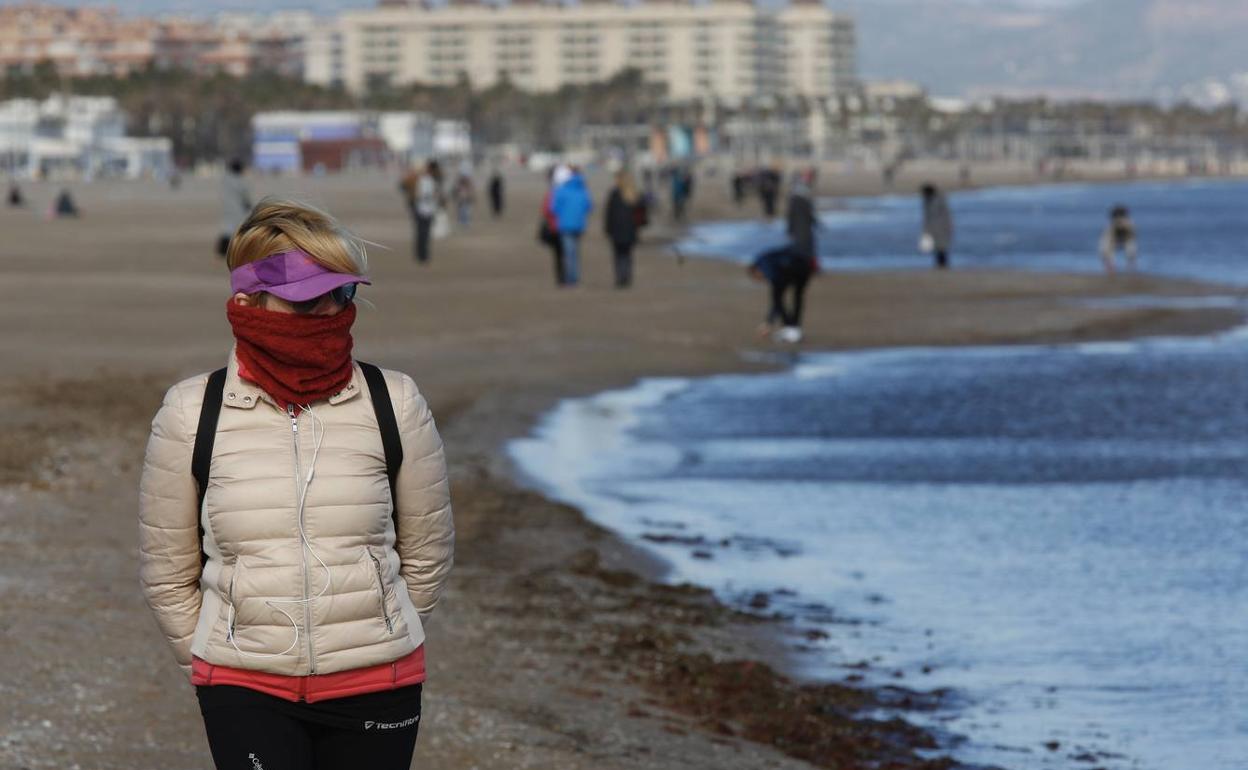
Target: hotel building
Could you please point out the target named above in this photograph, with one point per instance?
(728, 50)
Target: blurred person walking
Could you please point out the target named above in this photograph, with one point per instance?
(572, 204)
(1119, 235)
(294, 595)
(800, 216)
(16, 199)
(235, 203)
(650, 190)
(768, 185)
(496, 193)
(464, 194)
(738, 187)
(937, 237)
(682, 191)
(423, 192)
(548, 226)
(623, 217)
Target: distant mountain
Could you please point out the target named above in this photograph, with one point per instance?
(1113, 48)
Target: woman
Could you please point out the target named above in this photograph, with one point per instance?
(624, 214)
(295, 520)
(465, 194)
(548, 228)
(424, 199)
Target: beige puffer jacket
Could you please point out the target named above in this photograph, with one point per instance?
(346, 594)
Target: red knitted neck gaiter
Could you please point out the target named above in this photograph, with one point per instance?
(297, 359)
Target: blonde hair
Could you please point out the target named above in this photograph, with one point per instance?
(276, 225)
(627, 186)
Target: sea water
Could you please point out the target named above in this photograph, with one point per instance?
(1192, 229)
(1057, 534)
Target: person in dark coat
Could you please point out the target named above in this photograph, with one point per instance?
(738, 188)
(624, 216)
(65, 206)
(937, 225)
(801, 215)
(682, 191)
(786, 272)
(496, 193)
(548, 227)
(1119, 235)
(16, 200)
(769, 190)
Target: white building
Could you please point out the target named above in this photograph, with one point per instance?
(411, 136)
(727, 50)
(278, 136)
(76, 136)
(452, 139)
(323, 56)
(284, 141)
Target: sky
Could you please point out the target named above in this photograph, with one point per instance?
(200, 6)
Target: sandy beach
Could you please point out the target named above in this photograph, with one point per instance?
(554, 646)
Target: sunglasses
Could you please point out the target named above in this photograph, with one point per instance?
(341, 296)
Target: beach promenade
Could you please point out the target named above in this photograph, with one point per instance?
(551, 648)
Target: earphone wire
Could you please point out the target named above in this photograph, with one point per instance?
(317, 441)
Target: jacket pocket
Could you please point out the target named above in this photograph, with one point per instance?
(232, 611)
(381, 592)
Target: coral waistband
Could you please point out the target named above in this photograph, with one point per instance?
(408, 670)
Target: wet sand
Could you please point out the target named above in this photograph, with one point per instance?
(553, 648)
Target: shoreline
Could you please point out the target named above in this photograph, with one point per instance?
(549, 650)
(775, 632)
(776, 641)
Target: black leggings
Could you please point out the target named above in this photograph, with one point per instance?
(249, 730)
(556, 248)
(424, 225)
(623, 259)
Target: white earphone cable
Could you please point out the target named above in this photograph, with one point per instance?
(317, 441)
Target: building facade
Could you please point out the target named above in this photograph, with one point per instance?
(81, 42)
(727, 50)
(76, 136)
(336, 140)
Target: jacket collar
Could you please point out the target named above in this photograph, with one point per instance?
(241, 394)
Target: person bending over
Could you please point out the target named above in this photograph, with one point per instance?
(787, 272)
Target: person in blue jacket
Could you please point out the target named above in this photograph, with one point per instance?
(572, 205)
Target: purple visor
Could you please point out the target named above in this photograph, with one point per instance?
(291, 275)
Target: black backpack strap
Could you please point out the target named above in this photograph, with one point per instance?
(205, 437)
(383, 408)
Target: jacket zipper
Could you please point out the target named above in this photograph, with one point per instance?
(381, 586)
(229, 631)
(303, 551)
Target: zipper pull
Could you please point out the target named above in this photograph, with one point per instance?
(294, 421)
